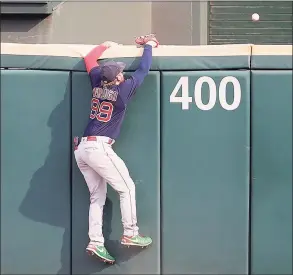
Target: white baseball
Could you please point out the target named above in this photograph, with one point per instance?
(255, 17)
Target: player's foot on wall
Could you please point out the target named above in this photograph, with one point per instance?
(138, 240)
(101, 252)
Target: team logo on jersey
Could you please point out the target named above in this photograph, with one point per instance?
(105, 94)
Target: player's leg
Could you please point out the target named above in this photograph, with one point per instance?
(98, 190)
(131, 236)
(113, 169)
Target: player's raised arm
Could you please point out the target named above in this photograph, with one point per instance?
(136, 79)
(91, 63)
(149, 42)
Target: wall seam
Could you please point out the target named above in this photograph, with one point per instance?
(0, 159)
(250, 167)
(160, 175)
(70, 170)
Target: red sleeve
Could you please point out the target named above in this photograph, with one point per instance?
(91, 58)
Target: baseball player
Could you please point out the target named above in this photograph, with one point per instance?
(94, 155)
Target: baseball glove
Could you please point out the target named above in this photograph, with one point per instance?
(141, 40)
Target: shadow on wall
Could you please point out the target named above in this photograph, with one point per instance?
(45, 203)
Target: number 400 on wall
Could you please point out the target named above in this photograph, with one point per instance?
(185, 99)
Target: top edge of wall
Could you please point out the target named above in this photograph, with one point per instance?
(121, 51)
(271, 57)
(166, 57)
(272, 49)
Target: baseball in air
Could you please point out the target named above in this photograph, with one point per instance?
(255, 17)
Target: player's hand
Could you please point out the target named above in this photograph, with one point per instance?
(149, 39)
(152, 43)
(110, 44)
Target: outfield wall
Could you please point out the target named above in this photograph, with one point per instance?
(213, 173)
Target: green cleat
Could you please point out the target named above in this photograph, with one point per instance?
(138, 240)
(101, 252)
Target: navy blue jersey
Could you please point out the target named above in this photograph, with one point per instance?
(108, 105)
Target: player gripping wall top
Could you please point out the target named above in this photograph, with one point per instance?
(94, 155)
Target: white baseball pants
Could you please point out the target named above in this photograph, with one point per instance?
(99, 164)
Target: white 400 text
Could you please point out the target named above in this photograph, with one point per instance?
(185, 99)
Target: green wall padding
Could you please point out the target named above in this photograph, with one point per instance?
(42, 62)
(35, 172)
(158, 63)
(138, 146)
(205, 179)
(271, 62)
(272, 172)
(192, 169)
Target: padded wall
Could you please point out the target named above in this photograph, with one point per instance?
(191, 167)
(272, 172)
(35, 172)
(205, 175)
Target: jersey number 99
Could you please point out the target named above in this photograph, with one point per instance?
(101, 111)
